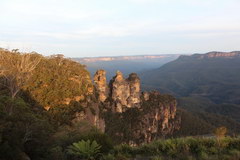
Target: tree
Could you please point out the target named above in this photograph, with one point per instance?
(15, 70)
(85, 149)
(220, 132)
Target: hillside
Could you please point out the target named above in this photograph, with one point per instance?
(214, 75)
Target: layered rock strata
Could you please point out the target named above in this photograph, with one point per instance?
(131, 116)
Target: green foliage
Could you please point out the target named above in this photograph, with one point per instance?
(229, 110)
(25, 130)
(57, 80)
(67, 135)
(85, 149)
(185, 148)
(56, 153)
(196, 122)
(192, 124)
(108, 157)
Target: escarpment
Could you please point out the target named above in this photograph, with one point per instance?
(118, 108)
(132, 116)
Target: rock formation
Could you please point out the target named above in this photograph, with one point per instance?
(134, 85)
(125, 92)
(158, 118)
(129, 115)
(120, 91)
(100, 82)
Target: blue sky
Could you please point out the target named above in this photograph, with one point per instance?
(82, 28)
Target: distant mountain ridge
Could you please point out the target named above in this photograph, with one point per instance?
(205, 84)
(108, 58)
(214, 75)
(126, 64)
(215, 54)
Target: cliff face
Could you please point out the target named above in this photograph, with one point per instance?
(129, 115)
(158, 117)
(125, 93)
(211, 55)
(222, 54)
(100, 82)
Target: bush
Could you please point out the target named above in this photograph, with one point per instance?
(85, 149)
(185, 149)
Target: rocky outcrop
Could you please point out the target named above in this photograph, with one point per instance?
(100, 82)
(134, 85)
(126, 114)
(131, 116)
(125, 93)
(120, 91)
(159, 117)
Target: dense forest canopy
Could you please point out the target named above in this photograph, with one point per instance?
(57, 81)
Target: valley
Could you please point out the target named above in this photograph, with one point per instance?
(50, 103)
(125, 64)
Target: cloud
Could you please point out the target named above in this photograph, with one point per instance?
(90, 24)
(55, 10)
(135, 29)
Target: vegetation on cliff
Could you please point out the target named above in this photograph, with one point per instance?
(57, 81)
(184, 148)
(50, 109)
(29, 83)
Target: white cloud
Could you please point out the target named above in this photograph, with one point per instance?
(45, 9)
(138, 28)
(102, 24)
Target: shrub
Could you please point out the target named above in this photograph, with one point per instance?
(85, 149)
(109, 157)
(220, 132)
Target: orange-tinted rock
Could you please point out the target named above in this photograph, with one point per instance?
(146, 117)
(125, 92)
(100, 82)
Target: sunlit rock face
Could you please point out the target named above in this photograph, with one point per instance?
(120, 91)
(134, 85)
(100, 82)
(132, 116)
(125, 92)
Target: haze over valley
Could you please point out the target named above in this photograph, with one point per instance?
(125, 64)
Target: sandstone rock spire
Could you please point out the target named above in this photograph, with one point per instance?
(100, 82)
(125, 92)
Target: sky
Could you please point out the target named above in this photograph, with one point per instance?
(88, 28)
